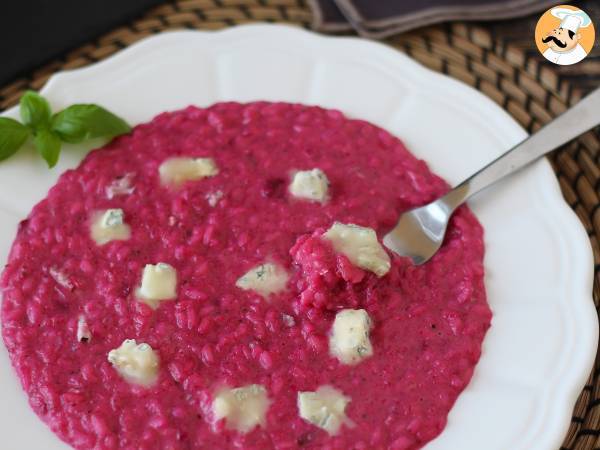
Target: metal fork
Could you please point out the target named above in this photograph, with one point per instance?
(420, 232)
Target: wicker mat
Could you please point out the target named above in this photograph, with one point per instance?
(532, 92)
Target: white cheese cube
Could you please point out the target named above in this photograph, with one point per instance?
(109, 225)
(83, 331)
(159, 282)
(243, 408)
(324, 408)
(360, 246)
(137, 363)
(176, 171)
(349, 340)
(310, 185)
(265, 279)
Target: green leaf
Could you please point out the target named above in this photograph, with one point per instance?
(48, 145)
(79, 122)
(35, 110)
(12, 136)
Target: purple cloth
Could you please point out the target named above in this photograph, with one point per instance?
(383, 18)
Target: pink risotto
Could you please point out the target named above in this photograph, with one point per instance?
(68, 301)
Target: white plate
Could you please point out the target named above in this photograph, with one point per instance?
(538, 261)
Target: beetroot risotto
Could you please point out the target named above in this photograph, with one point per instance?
(215, 279)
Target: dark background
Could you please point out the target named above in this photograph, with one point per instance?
(35, 31)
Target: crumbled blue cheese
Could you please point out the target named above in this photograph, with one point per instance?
(120, 186)
(360, 246)
(137, 363)
(243, 408)
(310, 185)
(59, 276)
(176, 171)
(265, 279)
(324, 408)
(109, 225)
(159, 282)
(83, 331)
(112, 218)
(288, 320)
(213, 198)
(349, 340)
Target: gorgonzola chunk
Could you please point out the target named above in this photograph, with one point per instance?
(310, 185)
(349, 340)
(109, 225)
(265, 279)
(137, 363)
(243, 408)
(176, 171)
(360, 246)
(159, 282)
(324, 408)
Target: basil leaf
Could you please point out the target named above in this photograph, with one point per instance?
(35, 110)
(12, 136)
(79, 122)
(48, 145)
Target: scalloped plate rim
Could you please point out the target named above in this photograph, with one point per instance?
(581, 255)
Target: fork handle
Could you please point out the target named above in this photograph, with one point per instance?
(575, 121)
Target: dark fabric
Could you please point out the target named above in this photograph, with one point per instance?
(36, 31)
(382, 18)
(381, 10)
(330, 12)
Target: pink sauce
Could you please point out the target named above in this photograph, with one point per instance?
(429, 321)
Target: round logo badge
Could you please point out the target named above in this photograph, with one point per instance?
(565, 35)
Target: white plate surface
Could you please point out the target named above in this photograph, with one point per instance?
(538, 260)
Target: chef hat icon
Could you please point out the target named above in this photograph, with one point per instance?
(570, 19)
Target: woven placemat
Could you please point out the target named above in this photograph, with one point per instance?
(530, 90)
